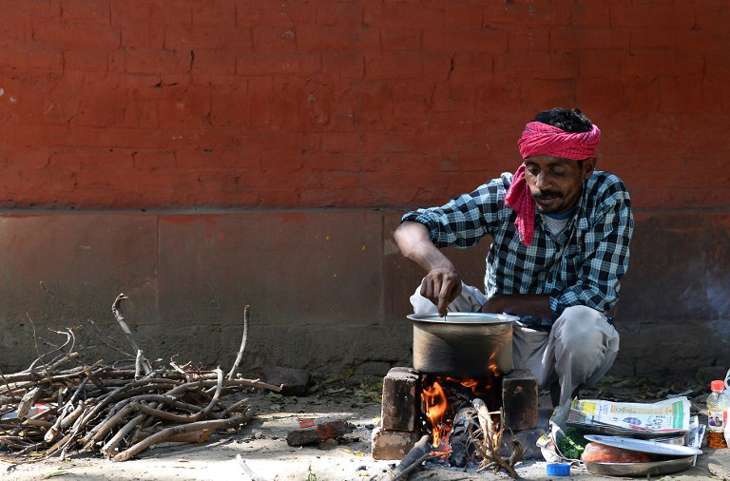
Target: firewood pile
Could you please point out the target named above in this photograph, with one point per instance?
(62, 406)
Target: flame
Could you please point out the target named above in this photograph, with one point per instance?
(435, 406)
(492, 365)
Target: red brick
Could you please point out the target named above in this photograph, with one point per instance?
(712, 18)
(338, 142)
(195, 36)
(400, 39)
(154, 12)
(212, 63)
(31, 57)
(523, 12)
(394, 65)
(464, 66)
(334, 162)
(87, 60)
(278, 63)
(317, 37)
(601, 94)
(716, 65)
(79, 34)
(140, 113)
(528, 40)
(343, 64)
(677, 15)
(218, 13)
(655, 62)
(642, 95)
(230, 105)
(596, 63)
(154, 61)
(281, 14)
(483, 40)
(538, 94)
(274, 39)
(188, 105)
(440, 15)
(142, 34)
(91, 10)
(102, 105)
(593, 14)
(15, 26)
(335, 12)
(687, 94)
(573, 39)
(454, 96)
(538, 65)
(316, 105)
(260, 90)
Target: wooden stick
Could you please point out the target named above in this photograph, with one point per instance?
(165, 434)
(127, 331)
(239, 356)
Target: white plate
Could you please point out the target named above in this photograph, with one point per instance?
(643, 445)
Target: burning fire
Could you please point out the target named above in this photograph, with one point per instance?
(435, 403)
(435, 406)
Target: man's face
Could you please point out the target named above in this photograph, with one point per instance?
(556, 183)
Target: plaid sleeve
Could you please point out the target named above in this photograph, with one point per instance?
(465, 219)
(606, 258)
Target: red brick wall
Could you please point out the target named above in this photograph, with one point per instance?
(179, 103)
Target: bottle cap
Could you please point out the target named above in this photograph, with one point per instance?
(718, 385)
(557, 469)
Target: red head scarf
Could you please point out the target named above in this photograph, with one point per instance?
(543, 139)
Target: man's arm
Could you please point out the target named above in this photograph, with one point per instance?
(461, 222)
(442, 283)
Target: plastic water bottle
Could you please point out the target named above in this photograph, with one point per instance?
(717, 403)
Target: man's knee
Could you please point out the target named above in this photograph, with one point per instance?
(585, 332)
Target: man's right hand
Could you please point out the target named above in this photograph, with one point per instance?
(441, 286)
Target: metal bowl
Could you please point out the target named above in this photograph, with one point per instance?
(463, 344)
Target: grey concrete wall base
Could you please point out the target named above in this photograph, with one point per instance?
(328, 288)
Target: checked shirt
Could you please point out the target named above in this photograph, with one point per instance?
(582, 265)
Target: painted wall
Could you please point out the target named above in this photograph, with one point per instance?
(239, 107)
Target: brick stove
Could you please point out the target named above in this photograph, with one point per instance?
(403, 420)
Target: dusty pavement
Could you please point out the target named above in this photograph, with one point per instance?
(263, 446)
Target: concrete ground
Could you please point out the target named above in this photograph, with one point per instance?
(262, 444)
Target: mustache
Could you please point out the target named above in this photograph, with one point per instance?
(547, 195)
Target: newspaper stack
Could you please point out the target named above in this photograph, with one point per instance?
(667, 417)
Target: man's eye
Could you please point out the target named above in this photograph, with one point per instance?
(558, 173)
(533, 170)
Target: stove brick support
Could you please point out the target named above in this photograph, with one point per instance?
(520, 400)
(392, 444)
(400, 399)
(399, 428)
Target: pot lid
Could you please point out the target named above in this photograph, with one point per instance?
(479, 318)
(643, 445)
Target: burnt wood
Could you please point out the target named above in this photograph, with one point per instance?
(520, 400)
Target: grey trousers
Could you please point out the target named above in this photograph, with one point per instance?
(578, 351)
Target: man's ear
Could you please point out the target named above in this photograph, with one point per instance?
(588, 165)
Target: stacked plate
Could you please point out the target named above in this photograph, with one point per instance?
(677, 457)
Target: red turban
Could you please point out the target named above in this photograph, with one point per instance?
(543, 139)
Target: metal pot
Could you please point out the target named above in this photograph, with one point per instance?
(463, 344)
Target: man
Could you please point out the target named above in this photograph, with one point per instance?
(560, 244)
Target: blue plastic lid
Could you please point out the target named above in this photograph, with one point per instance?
(558, 469)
